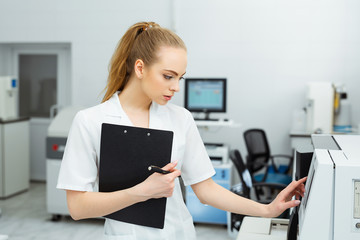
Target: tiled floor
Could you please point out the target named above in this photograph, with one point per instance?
(24, 217)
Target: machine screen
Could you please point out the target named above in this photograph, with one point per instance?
(308, 187)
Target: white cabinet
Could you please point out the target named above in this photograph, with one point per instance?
(14, 156)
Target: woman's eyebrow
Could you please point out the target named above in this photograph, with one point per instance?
(173, 72)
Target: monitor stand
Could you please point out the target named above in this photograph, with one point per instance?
(206, 118)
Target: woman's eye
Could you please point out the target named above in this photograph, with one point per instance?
(168, 77)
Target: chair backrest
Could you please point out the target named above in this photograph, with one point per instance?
(236, 158)
(258, 149)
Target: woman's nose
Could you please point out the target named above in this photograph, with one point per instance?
(175, 86)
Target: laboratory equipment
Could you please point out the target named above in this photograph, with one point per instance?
(202, 213)
(14, 156)
(330, 209)
(55, 146)
(205, 95)
(218, 153)
(14, 140)
(9, 97)
(342, 111)
(257, 228)
(332, 191)
(319, 107)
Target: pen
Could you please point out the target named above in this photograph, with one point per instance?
(157, 169)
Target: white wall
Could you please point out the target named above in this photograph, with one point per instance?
(5, 54)
(92, 27)
(268, 50)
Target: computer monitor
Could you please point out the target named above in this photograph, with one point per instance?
(205, 95)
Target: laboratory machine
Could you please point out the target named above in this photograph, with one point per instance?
(9, 97)
(319, 107)
(342, 110)
(14, 140)
(218, 153)
(332, 191)
(330, 209)
(55, 146)
(202, 213)
(14, 156)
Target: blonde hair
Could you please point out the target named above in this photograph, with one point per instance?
(141, 41)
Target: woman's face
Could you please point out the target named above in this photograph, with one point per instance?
(161, 79)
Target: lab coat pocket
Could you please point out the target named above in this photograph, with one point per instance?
(118, 237)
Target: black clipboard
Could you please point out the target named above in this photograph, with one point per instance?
(125, 155)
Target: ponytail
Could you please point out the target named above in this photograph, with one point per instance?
(141, 41)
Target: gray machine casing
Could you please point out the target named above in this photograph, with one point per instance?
(55, 146)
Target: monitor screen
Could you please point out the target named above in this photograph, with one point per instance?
(205, 94)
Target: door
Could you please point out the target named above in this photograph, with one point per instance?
(43, 71)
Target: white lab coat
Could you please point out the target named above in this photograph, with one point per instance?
(79, 168)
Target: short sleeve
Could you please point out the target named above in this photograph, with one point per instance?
(197, 165)
(79, 164)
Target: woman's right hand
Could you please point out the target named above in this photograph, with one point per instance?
(158, 185)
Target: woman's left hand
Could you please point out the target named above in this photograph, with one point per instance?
(283, 199)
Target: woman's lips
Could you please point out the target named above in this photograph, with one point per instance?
(168, 98)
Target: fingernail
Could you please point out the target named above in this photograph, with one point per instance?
(297, 202)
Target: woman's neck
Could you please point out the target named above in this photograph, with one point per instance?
(136, 104)
(133, 98)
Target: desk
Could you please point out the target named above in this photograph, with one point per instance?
(219, 123)
(257, 228)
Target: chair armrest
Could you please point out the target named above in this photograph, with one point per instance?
(270, 185)
(281, 156)
(291, 159)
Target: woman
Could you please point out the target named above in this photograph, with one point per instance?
(145, 71)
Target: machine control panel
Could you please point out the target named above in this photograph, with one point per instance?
(9, 97)
(55, 147)
(356, 213)
(357, 199)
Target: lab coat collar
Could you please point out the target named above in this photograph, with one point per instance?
(112, 107)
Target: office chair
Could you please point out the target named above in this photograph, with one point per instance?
(246, 185)
(260, 159)
(242, 189)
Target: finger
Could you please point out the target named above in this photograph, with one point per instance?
(170, 166)
(297, 193)
(174, 174)
(291, 204)
(294, 185)
(300, 190)
(302, 180)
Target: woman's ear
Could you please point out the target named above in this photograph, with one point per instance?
(139, 68)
